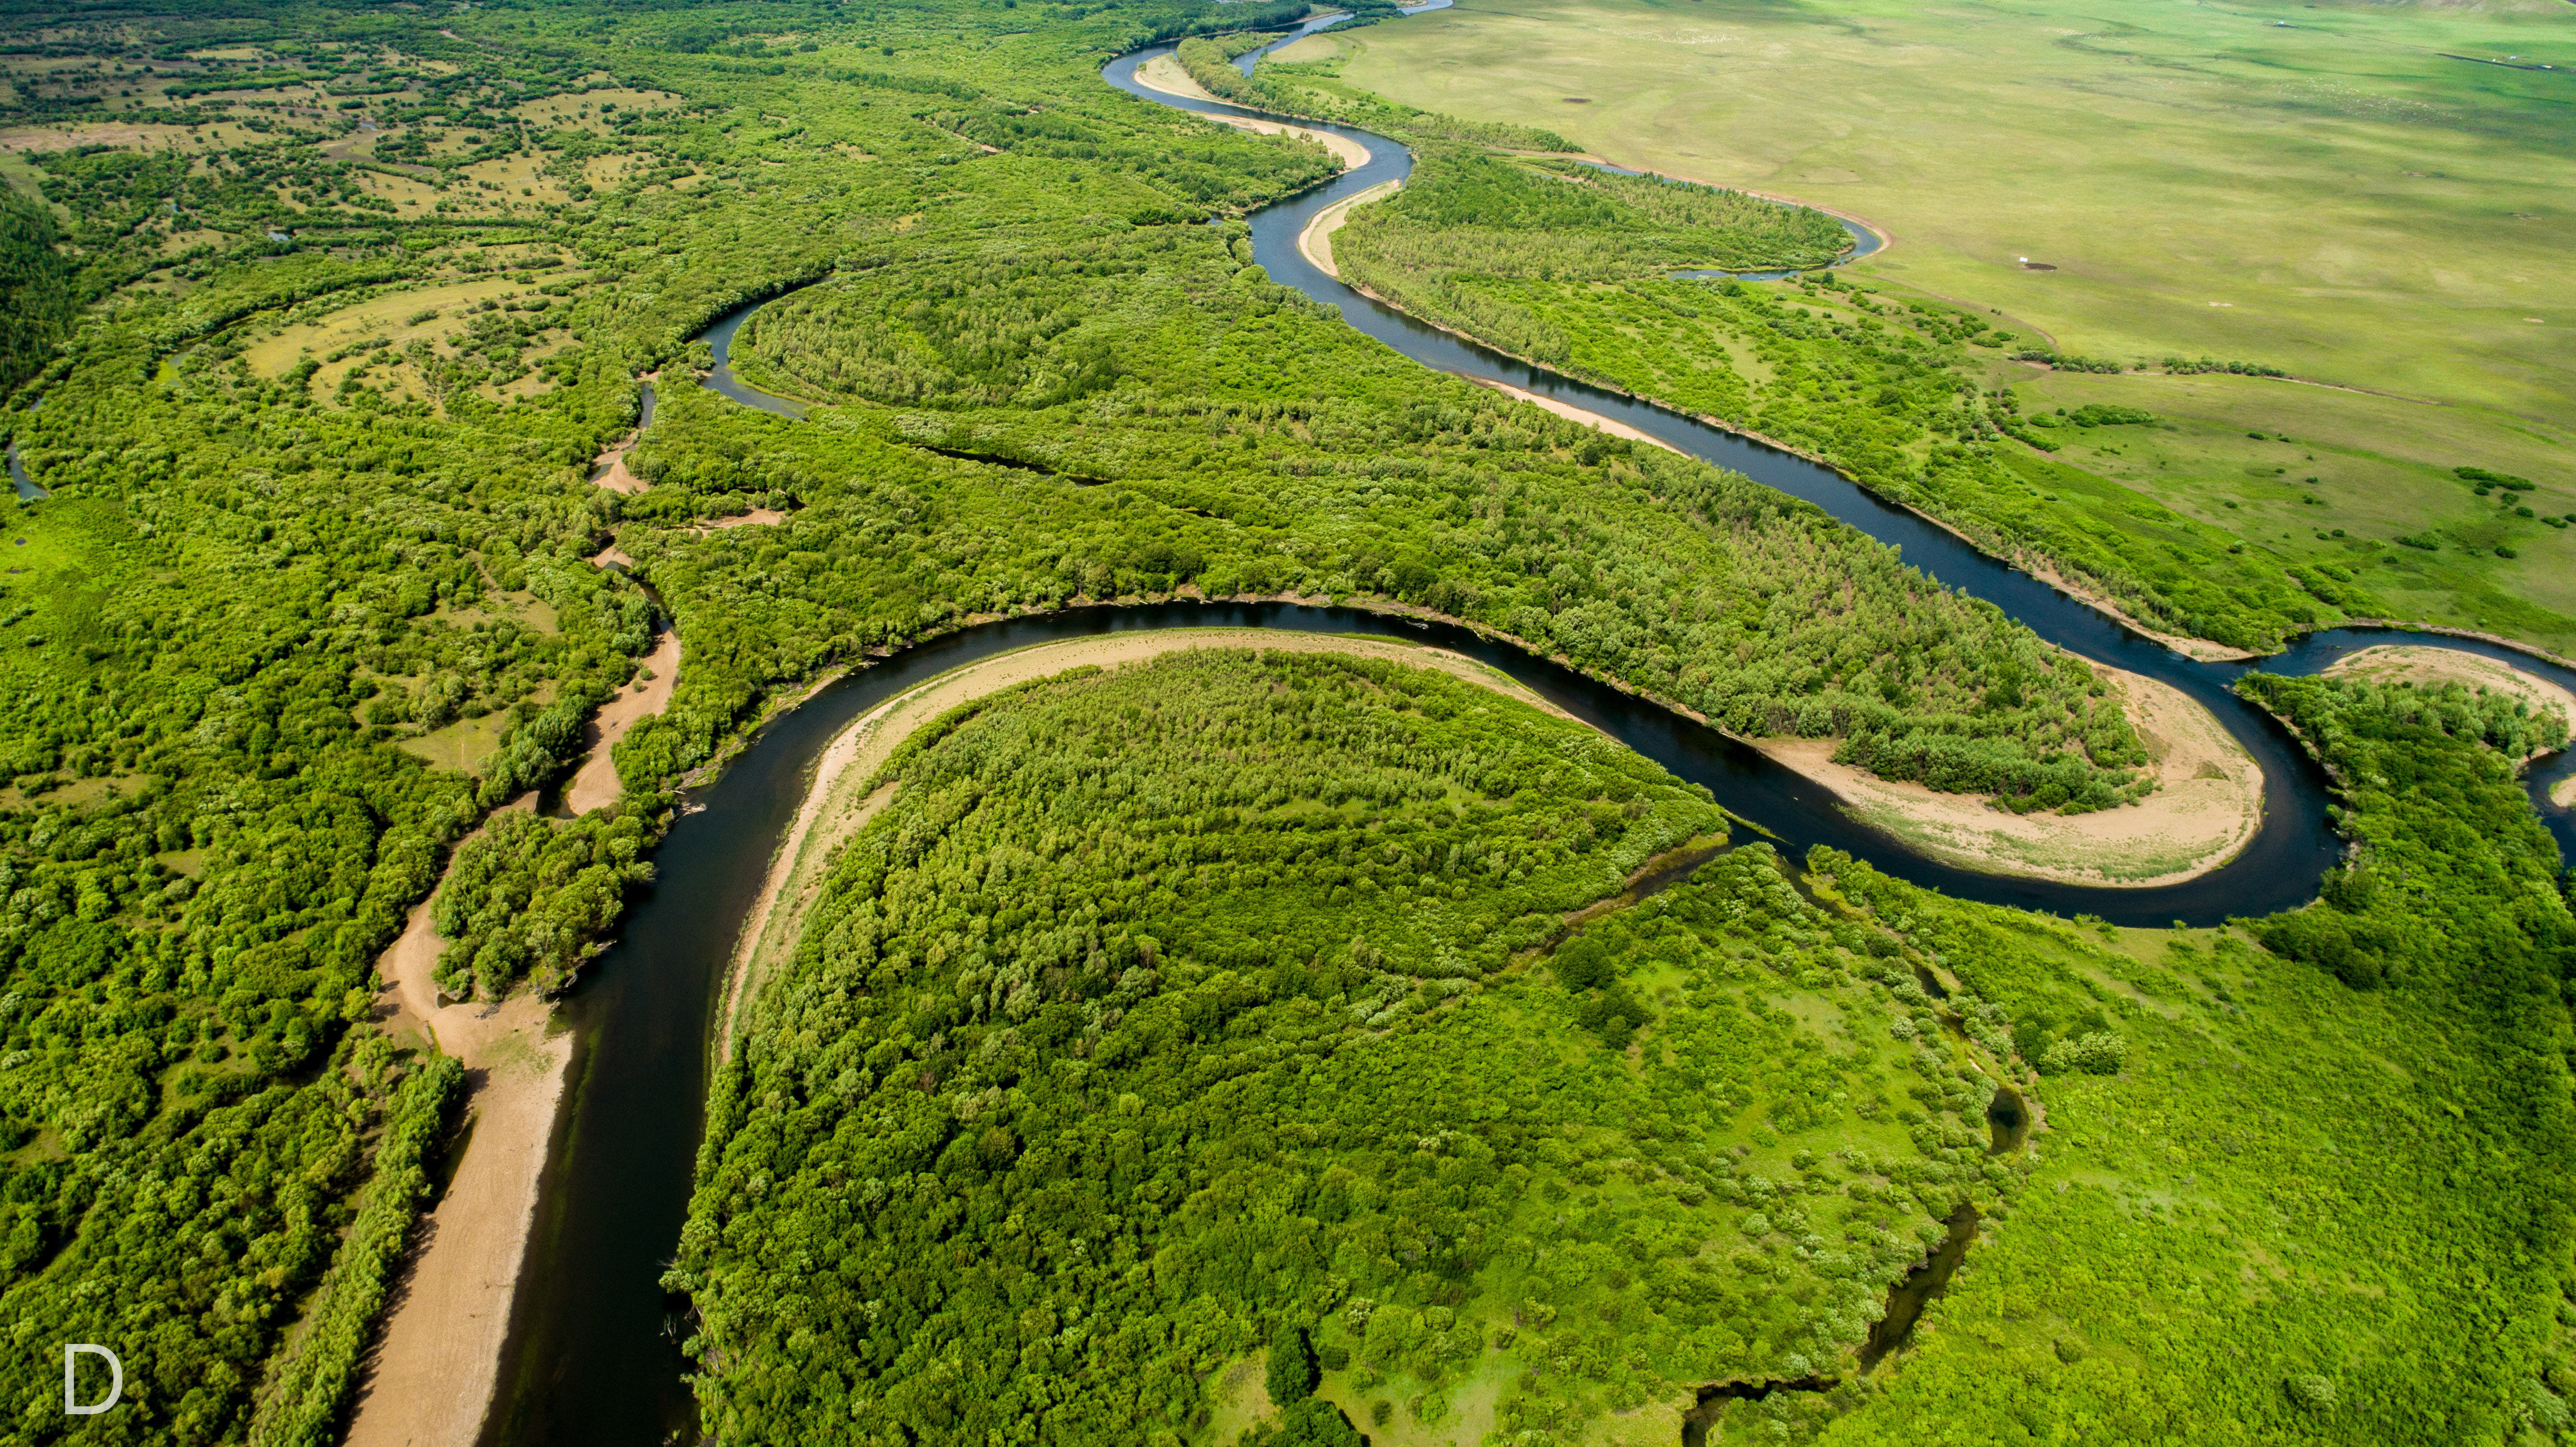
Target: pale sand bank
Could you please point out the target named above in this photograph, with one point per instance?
(595, 784)
(2206, 807)
(1349, 152)
(2415, 663)
(759, 517)
(838, 802)
(1316, 241)
(613, 474)
(431, 1375)
(1164, 73)
(1571, 412)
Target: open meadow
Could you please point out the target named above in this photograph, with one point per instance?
(2328, 190)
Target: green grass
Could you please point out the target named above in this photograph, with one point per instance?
(2374, 216)
(2374, 481)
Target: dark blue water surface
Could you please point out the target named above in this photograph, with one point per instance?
(594, 1348)
(18, 476)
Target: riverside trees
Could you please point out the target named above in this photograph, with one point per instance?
(1878, 386)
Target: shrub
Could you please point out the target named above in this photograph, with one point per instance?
(1292, 1374)
(2098, 1053)
(2320, 937)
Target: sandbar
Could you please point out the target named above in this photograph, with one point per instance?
(595, 784)
(759, 517)
(1164, 73)
(430, 1377)
(1315, 243)
(2207, 805)
(1569, 411)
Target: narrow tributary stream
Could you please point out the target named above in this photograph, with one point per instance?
(594, 1354)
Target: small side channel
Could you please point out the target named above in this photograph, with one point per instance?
(1905, 1303)
(1907, 1298)
(2008, 1116)
(1714, 1397)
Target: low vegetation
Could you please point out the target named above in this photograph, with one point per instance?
(1884, 387)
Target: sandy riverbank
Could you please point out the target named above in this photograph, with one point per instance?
(759, 517)
(1315, 243)
(2207, 805)
(595, 784)
(431, 1374)
(1164, 73)
(838, 801)
(1569, 411)
(430, 1377)
(612, 472)
(2418, 664)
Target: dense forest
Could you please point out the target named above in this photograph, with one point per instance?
(317, 319)
(1172, 1014)
(1271, 454)
(1170, 1007)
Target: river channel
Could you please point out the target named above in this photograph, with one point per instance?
(594, 1355)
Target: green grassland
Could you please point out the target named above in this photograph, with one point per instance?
(2374, 216)
(2372, 482)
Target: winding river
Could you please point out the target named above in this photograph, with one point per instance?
(594, 1353)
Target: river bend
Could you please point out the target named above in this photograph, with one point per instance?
(594, 1353)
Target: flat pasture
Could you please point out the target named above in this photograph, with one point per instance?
(2322, 189)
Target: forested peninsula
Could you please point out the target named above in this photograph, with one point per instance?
(1272, 1034)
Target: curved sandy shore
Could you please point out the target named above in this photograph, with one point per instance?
(1569, 411)
(838, 801)
(1164, 73)
(595, 784)
(2206, 808)
(1316, 241)
(430, 1377)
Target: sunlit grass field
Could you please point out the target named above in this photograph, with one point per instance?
(2332, 195)
(2382, 470)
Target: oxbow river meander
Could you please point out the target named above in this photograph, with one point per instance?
(594, 1353)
